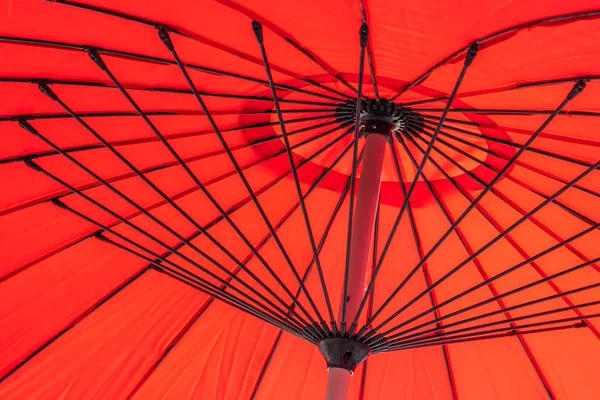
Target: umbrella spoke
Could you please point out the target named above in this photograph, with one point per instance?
(518, 146)
(259, 38)
(574, 92)
(181, 136)
(468, 61)
(510, 203)
(501, 89)
(513, 179)
(556, 137)
(496, 111)
(306, 274)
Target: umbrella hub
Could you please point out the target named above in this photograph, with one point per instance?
(343, 353)
(381, 116)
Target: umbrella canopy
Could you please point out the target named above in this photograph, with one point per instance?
(222, 200)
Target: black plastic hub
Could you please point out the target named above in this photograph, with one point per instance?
(381, 116)
(343, 353)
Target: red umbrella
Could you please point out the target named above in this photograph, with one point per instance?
(225, 200)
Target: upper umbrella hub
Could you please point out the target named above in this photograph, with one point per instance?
(381, 116)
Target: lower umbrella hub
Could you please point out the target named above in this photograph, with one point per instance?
(381, 116)
(343, 353)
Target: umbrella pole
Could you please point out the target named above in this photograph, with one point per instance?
(362, 238)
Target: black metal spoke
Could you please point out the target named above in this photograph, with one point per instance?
(259, 38)
(518, 146)
(438, 199)
(503, 157)
(494, 278)
(468, 61)
(176, 136)
(511, 178)
(550, 136)
(574, 92)
(363, 35)
(159, 113)
(523, 112)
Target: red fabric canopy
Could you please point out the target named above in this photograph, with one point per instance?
(84, 313)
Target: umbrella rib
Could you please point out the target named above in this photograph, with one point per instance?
(577, 88)
(98, 60)
(171, 113)
(259, 38)
(467, 63)
(363, 34)
(174, 137)
(218, 46)
(280, 223)
(504, 33)
(518, 146)
(522, 112)
(78, 319)
(403, 337)
(556, 137)
(157, 89)
(418, 245)
(513, 179)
